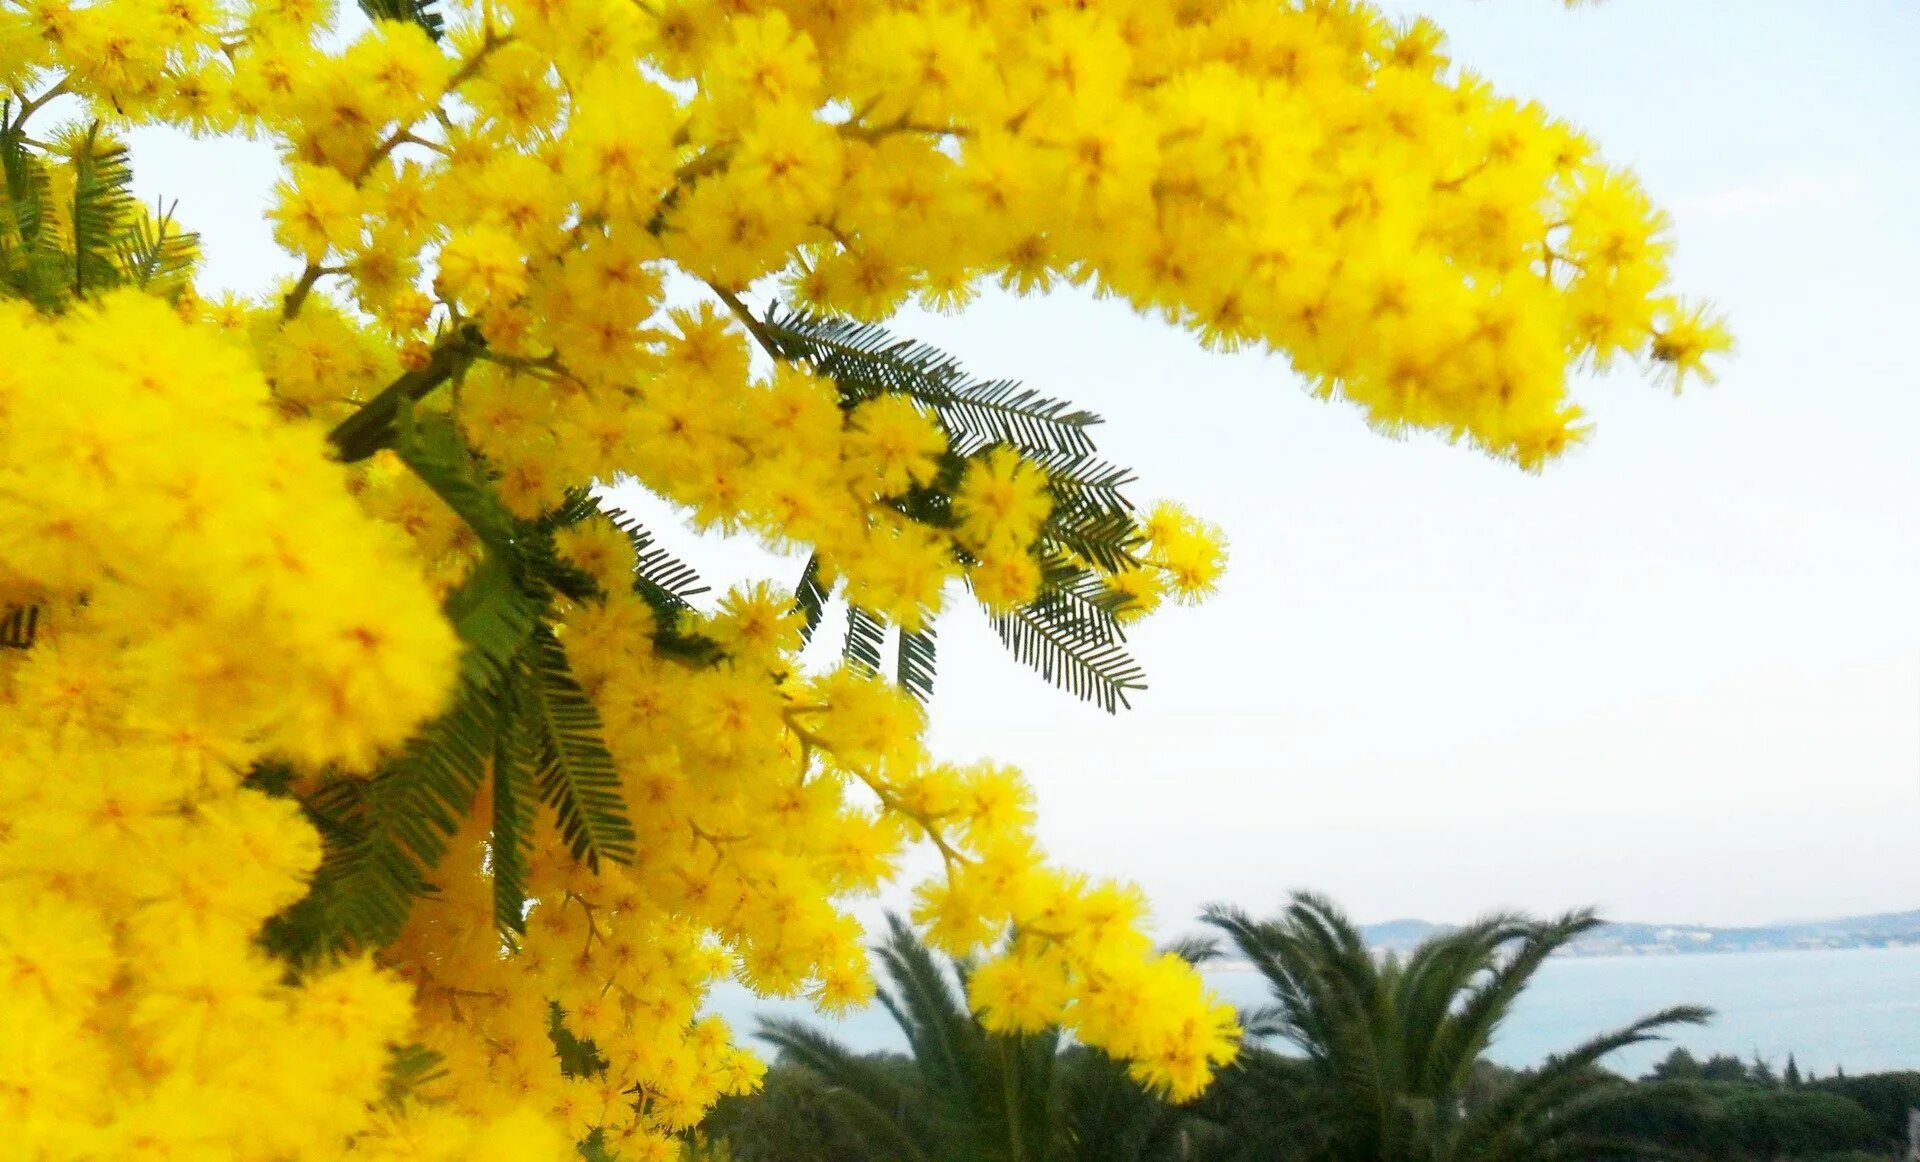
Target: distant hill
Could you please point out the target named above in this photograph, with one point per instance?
(1890, 929)
(1400, 933)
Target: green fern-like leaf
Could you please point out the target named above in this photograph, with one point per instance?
(914, 662)
(574, 771)
(522, 552)
(1084, 476)
(1069, 633)
(1060, 647)
(1107, 539)
(510, 842)
(1080, 602)
(421, 12)
(33, 255)
(494, 617)
(1003, 412)
(155, 256)
(99, 240)
(1090, 515)
(579, 1056)
(865, 360)
(386, 835)
(31, 259)
(410, 1069)
(102, 208)
(866, 636)
(546, 572)
(580, 505)
(810, 597)
(666, 582)
(431, 445)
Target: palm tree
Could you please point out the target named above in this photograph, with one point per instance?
(1395, 1047)
(967, 1095)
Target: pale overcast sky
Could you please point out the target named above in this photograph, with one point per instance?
(1677, 676)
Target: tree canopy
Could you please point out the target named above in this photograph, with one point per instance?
(1394, 1045)
(368, 787)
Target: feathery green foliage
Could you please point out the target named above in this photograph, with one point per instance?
(385, 835)
(867, 361)
(576, 775)
(520, 723)
(410, 1069)
(1068, 632)
(101, 207)
(69, 225)
(511, 839)
(1071, 633)
(668, 584)
(811, 597)
(155, 256)
(421, 12)
(914, 662)
(866, 637)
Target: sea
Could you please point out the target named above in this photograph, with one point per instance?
(1851, 1009)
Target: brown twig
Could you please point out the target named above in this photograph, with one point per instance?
(371, 428)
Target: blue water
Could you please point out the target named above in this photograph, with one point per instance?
(1857, 1009)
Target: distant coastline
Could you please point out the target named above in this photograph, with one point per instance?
(1886, 930)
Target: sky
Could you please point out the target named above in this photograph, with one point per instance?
(1676, 676)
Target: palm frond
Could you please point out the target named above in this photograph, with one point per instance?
(1564, 1079)
(1331, 1005)
(890, 1114)
(1108, 1115)
(1195, 950)
(1471, 1030)
(1441, 1046)
(928, 1009)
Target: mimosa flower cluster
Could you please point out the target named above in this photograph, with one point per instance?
(540, 222)
(199, 612)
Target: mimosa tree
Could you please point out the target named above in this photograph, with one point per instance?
(365, 788)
